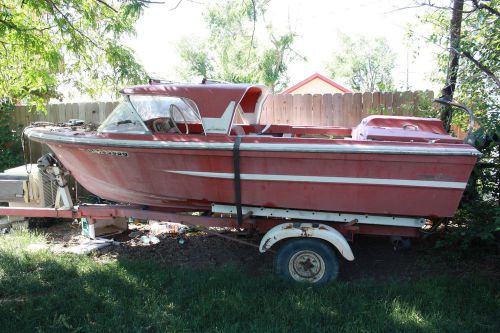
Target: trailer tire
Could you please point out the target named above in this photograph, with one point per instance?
(307, 260)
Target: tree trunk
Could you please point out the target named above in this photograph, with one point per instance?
(452, 73)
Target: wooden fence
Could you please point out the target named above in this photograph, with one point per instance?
(322, 110)
(94, 112)
(338, 109)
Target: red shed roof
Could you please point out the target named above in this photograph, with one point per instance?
(316, 76)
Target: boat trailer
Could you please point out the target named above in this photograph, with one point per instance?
(306, 240)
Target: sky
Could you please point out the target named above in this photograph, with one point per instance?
(317, 23)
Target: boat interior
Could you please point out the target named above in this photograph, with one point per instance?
(160, 114)
(375, 128)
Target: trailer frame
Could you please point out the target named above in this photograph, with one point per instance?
(307, 241)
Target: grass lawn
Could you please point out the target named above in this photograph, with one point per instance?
(40, 291)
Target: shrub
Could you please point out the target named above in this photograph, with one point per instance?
(11, 153)
(476, 223)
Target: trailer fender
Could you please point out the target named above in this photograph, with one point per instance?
(321, 231)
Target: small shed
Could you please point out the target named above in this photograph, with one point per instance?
(316, 84)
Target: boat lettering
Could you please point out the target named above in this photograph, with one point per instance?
(108, 152)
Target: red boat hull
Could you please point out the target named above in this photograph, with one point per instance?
(402, 184)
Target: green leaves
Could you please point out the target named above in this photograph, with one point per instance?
(480, 39)
(45, 43)
(195, 54)
(478, 218)
(364, 64)
(10, 143)
(233, 52)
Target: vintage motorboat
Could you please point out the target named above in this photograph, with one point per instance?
(186, 147)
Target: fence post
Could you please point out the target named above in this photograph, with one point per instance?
(367, 104)
(307, 110)
(297, 105)
(337, 109)
(356, 114)
(346, 110)
(288, 109)
(327, 110)
(316, 109)
(396, 103)
(280, 110)
(407, 101)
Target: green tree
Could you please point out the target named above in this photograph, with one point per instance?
(478, 48)
(364, 64)
(232, 52)
(274, 60)
(477, 83)
(195, 55)
(468, 69)
(46, 43)
(10, 143)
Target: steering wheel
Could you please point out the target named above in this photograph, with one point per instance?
(163, 125)
(171, 111)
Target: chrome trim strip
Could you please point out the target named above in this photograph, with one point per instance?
(357, 149)
(274, 147)
(325, 179)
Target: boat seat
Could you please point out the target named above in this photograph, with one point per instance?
(407, 129)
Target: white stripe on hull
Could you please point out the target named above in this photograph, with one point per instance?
(325, 179)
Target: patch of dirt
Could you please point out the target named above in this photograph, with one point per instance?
(375, 257)
(200, 250)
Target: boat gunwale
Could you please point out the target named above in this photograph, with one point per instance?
(245, 146)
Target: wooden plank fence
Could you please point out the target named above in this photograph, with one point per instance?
(92, 112)
(339, 109)
(322, 110)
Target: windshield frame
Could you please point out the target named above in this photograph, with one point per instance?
(130, 104)
(125, 102)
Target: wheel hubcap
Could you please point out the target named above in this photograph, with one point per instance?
(306, 266)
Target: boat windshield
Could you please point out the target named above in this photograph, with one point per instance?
(154, 107)
(137, 114)
(123, 119)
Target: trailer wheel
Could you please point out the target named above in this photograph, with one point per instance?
(307, 260)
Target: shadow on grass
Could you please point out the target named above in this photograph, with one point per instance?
(43, 292)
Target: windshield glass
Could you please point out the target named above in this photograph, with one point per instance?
(137, 113)
(123, 119)
(153, 107)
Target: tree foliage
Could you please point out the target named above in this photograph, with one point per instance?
(477, 87)
(364, 64)
(48, 43)
(232, 52)
(479, 52)
(10, 143)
